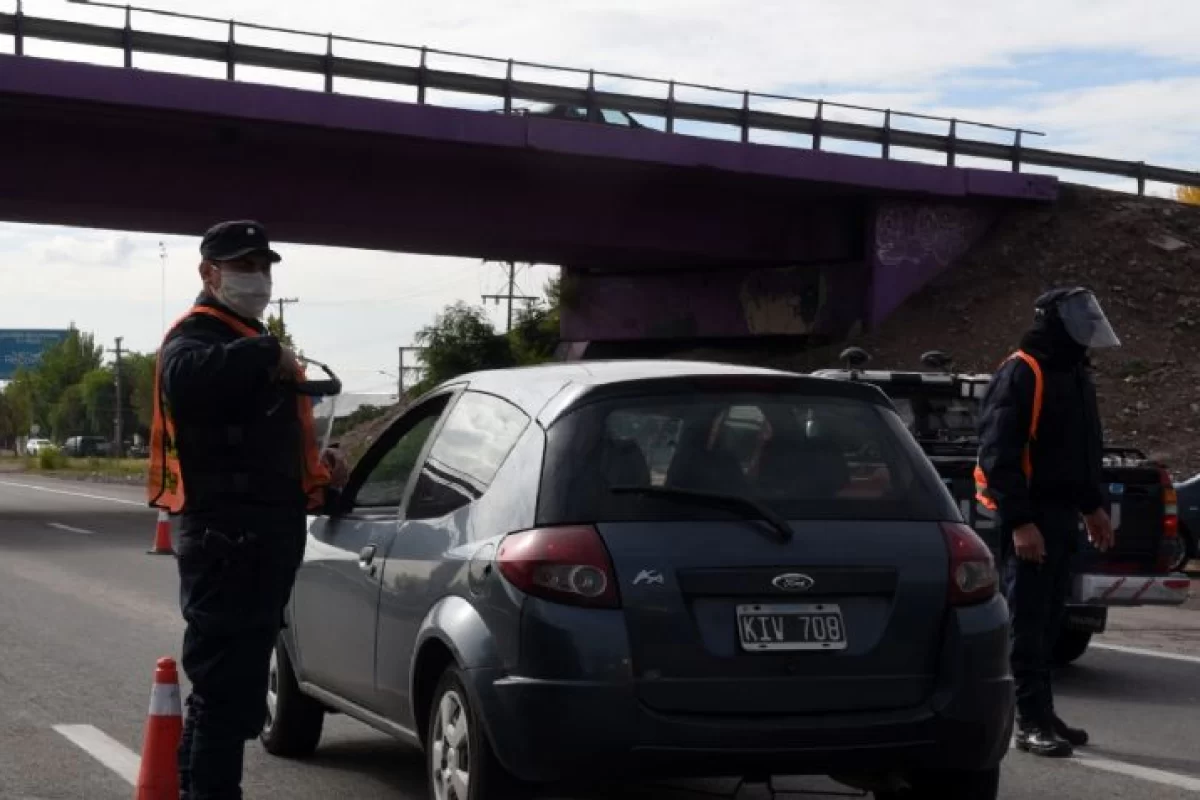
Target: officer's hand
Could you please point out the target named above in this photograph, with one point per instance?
(1100, 529)
(339, 470)
(288, 363)
(1029, 543)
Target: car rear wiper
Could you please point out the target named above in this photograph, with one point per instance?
(733, 502)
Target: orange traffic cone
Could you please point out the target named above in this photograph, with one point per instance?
(158, 777)
(162, 536)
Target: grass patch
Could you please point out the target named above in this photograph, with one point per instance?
(52, 461)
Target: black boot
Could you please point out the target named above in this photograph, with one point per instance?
(1041, 740)
(1076, 736)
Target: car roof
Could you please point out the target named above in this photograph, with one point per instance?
(968, 384)
(547, 391)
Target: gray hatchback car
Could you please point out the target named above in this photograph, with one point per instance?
(581, 572)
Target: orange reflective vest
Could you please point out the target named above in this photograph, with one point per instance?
(164, 487)
(981, 484)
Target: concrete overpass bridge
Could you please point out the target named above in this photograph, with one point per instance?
(661, 234)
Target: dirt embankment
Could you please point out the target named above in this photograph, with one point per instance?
(1140, 255)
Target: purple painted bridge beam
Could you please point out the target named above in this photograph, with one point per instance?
(129, 149)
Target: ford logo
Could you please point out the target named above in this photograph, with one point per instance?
(792, 582)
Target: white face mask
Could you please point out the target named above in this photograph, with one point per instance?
(247, 293)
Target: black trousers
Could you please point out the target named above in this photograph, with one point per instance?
(1037, 595)
(234, 585)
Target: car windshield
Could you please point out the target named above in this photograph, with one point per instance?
(803, 457)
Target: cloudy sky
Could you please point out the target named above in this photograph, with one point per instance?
(1115, 78)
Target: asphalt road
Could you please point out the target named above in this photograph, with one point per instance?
(85, 612)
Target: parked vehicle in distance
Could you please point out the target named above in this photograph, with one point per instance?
(605, 571)
(941, 407)
(1189, 523)
(85, 446)
(34, 446)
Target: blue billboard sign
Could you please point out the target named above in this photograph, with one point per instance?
(24, 348)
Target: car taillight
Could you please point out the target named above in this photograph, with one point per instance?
(1169, 547)
(566, 564)
(973, 576)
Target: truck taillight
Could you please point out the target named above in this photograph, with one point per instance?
(973, 576)
(1170, 540)
(567, 564)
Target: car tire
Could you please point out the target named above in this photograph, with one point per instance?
(981, 784)
(459, 757)
(294, 720)
(1069, 646)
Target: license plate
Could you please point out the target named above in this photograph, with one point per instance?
(791, 626)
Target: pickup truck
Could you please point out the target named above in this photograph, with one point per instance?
(941, 407)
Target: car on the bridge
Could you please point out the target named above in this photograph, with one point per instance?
(941, 406)
(573, 113)
(603, 571)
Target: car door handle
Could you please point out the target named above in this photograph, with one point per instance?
(366, 556)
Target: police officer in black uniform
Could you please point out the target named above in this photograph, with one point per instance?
(242, 532)
(1039, 501)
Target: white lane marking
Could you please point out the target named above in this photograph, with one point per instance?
(69, 529)
(1141, 651)
(35, 488)
(105, 749)
(1185, 782)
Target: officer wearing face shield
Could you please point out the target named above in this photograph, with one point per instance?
(1039, 469)
(234, 453)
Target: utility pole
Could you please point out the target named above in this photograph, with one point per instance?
(119, 446)
(282, 302)
(511, 295)
(162, 260)
(400, 373)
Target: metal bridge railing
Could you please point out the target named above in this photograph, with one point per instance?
(509, 89)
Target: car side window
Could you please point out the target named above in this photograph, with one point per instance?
(469, 450)
(385, 483)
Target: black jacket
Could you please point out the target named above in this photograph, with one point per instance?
(1067, 454)
(238, 435)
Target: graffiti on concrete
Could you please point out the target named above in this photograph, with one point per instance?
(911, 233)
(782, 301)
(915, 242)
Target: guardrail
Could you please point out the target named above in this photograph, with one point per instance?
(233, 54)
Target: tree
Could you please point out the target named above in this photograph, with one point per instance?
(1188, 194)
(139, 378)
(9, 429)
(99, 394)
(461, 339)
(276, 328)
(62, 366)
(69, 416)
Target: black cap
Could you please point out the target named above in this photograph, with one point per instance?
(236, 238)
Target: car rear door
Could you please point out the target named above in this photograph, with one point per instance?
(723, 615)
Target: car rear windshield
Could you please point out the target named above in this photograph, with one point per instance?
(801, 456)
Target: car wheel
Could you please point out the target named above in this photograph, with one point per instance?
(1069, 646)
(294, 720)
(459, 755)
(950, 785)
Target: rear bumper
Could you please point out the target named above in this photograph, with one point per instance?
(552, 731)
(1131, 590)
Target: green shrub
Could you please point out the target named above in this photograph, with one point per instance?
(51, 458)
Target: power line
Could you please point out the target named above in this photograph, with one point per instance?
(400, 378)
